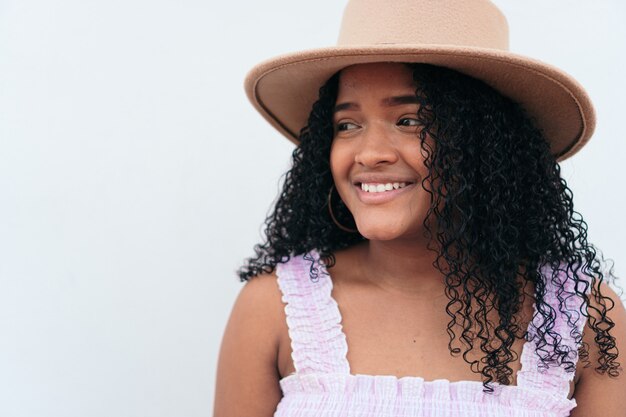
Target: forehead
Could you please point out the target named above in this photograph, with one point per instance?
(383, 75)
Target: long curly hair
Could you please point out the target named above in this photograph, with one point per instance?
(501, 211)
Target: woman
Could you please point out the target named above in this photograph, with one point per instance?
(423, 257)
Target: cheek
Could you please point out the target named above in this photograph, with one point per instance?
(341, 162)
(415, 157)
(338, 160)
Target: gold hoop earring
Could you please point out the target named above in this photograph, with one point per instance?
(332, 216)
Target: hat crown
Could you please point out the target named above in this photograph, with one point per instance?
(473, 23)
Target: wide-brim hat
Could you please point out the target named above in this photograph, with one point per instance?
(469, 36)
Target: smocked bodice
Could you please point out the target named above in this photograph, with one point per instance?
(323, 386)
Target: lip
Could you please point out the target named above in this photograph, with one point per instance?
(380, 198)
(380, 179)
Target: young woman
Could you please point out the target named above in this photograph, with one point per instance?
(424, 257)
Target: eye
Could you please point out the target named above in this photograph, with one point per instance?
(343, 126)
(408, 122)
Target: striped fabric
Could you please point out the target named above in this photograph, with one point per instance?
(322, 385)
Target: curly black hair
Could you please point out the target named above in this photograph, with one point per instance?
(500, 207)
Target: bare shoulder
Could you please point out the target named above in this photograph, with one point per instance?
(247, 376)
(261, 292)
(595, 393)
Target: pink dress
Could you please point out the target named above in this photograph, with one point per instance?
(322, 385)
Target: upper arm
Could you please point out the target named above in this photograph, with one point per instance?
(599, 394)
(247, 376)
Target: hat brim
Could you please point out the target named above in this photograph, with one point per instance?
(283, 89)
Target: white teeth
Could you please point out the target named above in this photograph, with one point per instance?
(380, 188)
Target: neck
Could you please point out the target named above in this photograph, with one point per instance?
(401, 267)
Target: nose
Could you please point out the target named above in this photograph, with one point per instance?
(375, 147)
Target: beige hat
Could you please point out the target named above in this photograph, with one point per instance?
(470, 36)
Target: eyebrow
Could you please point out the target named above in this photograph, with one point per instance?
(389, 102)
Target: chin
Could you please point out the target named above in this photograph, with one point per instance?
(380, 232)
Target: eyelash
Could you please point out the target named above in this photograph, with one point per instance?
(408, 118)
(341, 126)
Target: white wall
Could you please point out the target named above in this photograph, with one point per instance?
(135, 177)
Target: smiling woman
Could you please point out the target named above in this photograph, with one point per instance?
(423, 257)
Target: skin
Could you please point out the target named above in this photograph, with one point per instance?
(377, 136)
(385, 286)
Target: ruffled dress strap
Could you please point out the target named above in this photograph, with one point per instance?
(313, 319)
(534, 374)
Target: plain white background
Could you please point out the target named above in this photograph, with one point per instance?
(135, 178)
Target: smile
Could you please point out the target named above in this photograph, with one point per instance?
(381, 188)
(372, 195)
